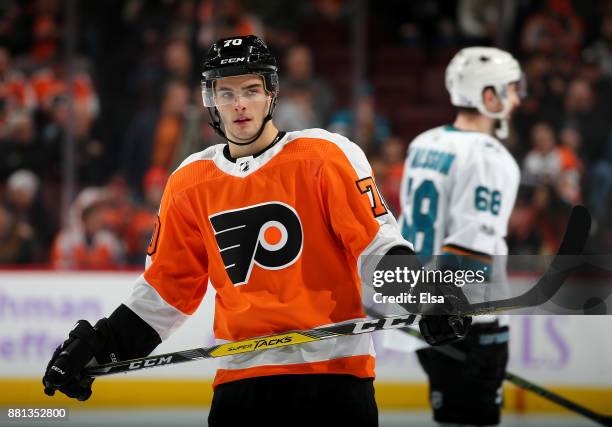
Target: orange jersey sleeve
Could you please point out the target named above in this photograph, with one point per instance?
(176, 274)
(178, 261)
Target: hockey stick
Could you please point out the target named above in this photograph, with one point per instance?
(461, 356)
(574, 239)
(573, 242)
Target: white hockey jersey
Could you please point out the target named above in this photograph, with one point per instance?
(458, 191)
(457, 194)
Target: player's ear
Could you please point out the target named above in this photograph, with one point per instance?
(489, 98)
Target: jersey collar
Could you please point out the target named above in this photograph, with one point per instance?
(227, 155)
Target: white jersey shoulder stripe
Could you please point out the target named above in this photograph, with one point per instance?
(206, 154)
(352, 151)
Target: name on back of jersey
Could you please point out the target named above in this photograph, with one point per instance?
(435, 160)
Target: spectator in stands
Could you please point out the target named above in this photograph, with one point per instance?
(295, 109)
(15, 93)
(542, 164)
(178, 62)
(118, 205)
(536, 221)
(480, 20)
(87, 243)
(601, 50)
(15, 239)
(46, 32)
(50, 87)
(555, 28)
(182, 24)
(363, 124)
(333, 17)
(550, 213)
(23, 201)
(90, 152)
(20, 149)
(568, 184)
(137, 147)
(169, 128)
(588, 115)
(299, 73)
(233, 20)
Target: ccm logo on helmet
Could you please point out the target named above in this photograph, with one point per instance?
(269, 235)
(232, 60)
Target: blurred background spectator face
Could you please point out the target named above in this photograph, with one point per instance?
(93, 219)
(177, 60)
(22, 186)
(299, 63)
(21, 127)
(46, 32)
(543, 138)
(296, 109)
(233, 20)
(580, 97)
(330, 9)
(570, 138)
(393, 151)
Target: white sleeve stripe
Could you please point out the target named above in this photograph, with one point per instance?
(146, 302)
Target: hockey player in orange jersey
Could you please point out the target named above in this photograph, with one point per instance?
(281, 225)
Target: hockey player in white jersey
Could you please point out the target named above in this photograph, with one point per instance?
(458, 190)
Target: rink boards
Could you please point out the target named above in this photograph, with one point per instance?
(572, 354)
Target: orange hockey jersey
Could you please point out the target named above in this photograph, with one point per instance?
(283, 238)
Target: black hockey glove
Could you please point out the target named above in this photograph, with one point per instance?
(124, 335)
(444, 329)
(85, 344)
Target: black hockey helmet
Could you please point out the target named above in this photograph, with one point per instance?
(235, 56)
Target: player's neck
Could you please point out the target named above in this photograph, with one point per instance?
(474, 123)
(265, 139)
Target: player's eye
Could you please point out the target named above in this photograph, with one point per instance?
(226, 95)
(252, 92)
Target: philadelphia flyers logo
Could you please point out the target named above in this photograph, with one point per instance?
(269, 235)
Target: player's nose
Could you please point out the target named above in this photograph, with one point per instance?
(239, 104)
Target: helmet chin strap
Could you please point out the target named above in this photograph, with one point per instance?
(216, 125)
(501, 130)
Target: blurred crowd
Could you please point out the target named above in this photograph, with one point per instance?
(129, 99)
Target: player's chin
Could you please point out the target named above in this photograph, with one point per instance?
(243, 135)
